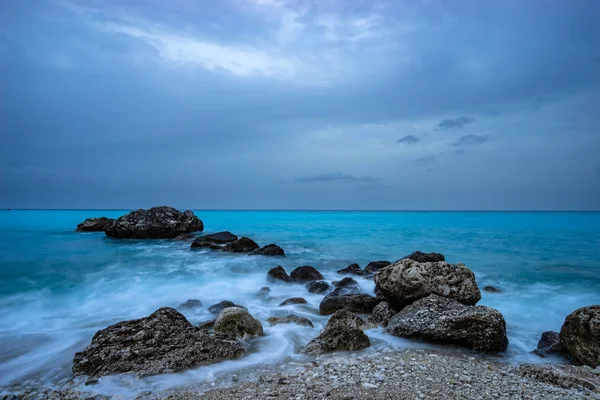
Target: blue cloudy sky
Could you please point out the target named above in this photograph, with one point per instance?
(299, 104)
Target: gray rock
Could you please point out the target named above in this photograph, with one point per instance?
(191, 303)
(549, 344)
(219, 239)
(278, 274)
(421, 257)
(351, 269)
(382, 313)
(406, 281)
(357, 303)
(305, 274)
(343, 332)
(446, 320)
(580, 335)
(317, 286)
(94, 224)
(270, 250)
(290, 319)
(163, 342)
(235, 322)
(155, 223)
(241, 245)
(220, 306)
(293, 300)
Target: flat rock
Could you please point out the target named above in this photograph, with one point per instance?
(235, 322)
(94, 224)
(290, 319)
(343, 332)
(241, 245)
(155, 223)
(278, 274)
(317, 287)
(356, 303)
(305, 273)
(580, 335)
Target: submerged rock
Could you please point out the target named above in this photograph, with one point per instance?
(305, 274)
(185, 237)
(407, 281)
(163, 342)
(263, 293)
(382, 313)
(191, 303)
(351, 269)
(549, 344)
(155, 223)
(357, 303)
(220, 306)
(317, 286)
(446, 320)
(241, 245)
(270, 250)
(235, 322)
(293, 300)
(290, 319)
(421, 257)
(94, 224)
(375, 266)
(345, 282)
(343, 332)
(492, 289)
(580, 335)
(219, 239)
(278, 274)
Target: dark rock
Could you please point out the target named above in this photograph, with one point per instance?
(219, 238)
(406, 281)
(345, 290)
(351, 269)
(345, 282)
(191, 303)
(242, 245)
(220, 306)
(580, 335)
(382, 313)
(357, 303)
(549, 344)
(306, 274)
(270, 250)
(163, 342)
(290, 319)
(155, 223)
(278, 274)
(317, 286)
(91, 381)
(293, 300)
(343, 332)
(425, 257)
(235, 322)
(446, 320)
(207, 325)
(492, 289)
(263, 293)
(94, 224)
(375, 266)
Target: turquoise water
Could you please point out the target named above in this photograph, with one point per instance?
(58, 287)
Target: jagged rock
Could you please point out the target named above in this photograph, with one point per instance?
(358, 303)
(94, 224)
(220, 306)
(580, 335)
(343, 332)
(446, 320)
(306, 274)
(290, 319)
(317, 286)
(382, 313)
(270, 250)
(425, 257)
(191, 303)
(163, 342)
(492, 289)
(214, 240)
(351, 269)
(375, 266)
(549, 344)
(278, 274)
(235, 322)
(293, 300)
(155, 223)
(406, 281)
(241, 245)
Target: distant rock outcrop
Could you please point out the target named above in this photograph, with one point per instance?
(94, 224)
(155, 223)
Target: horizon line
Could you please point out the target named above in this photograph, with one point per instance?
(314, 210)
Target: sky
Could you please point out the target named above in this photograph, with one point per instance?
(299, 104)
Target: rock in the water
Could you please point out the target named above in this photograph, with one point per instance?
(270, 250)
(219, 239)
(345, 286)
(290, 319)
(549, 344)
(342, 333)
(191, 303)
(185, 237)
(580, 335)
(155, 223)
(406, 281)
(263, 293)
(425, 257)
(357, 303)
(317, 286)
(492, 289)
(351, 269)
(306, 274)
(235, 322)
(446, 320)
(375, 266)
(242, 245)
(278, 274)
(382, 313)
(345, 282)
(293, 300)
(163, 342)
(94, 224)
(220, 306)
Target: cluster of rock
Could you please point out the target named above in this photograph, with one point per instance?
(228, 242)
(374, 266)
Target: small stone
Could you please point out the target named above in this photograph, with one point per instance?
(368, 385)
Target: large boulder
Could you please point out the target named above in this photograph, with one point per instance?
(407, 281)
(382, 313)
(421, 257)
(446, 320)
(94, 224)
(270, 250)
(375, 266)
(278, 274)
(155, 223)
(219, 239)
(317, 287)
(163, 342)
(241, 245)
(306, 274)
(235, 322)
(290, 319)
(549, 343)
(343, 332)
(357, 303)
(580, 335)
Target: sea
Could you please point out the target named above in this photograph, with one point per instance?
(58, 287)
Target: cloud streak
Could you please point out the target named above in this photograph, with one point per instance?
(335, 177)
(408, 139)
(470, 140)
(454, 123)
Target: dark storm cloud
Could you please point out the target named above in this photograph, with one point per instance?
(408, 139)
(336, 177)
(454, 123)
(468, 140)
